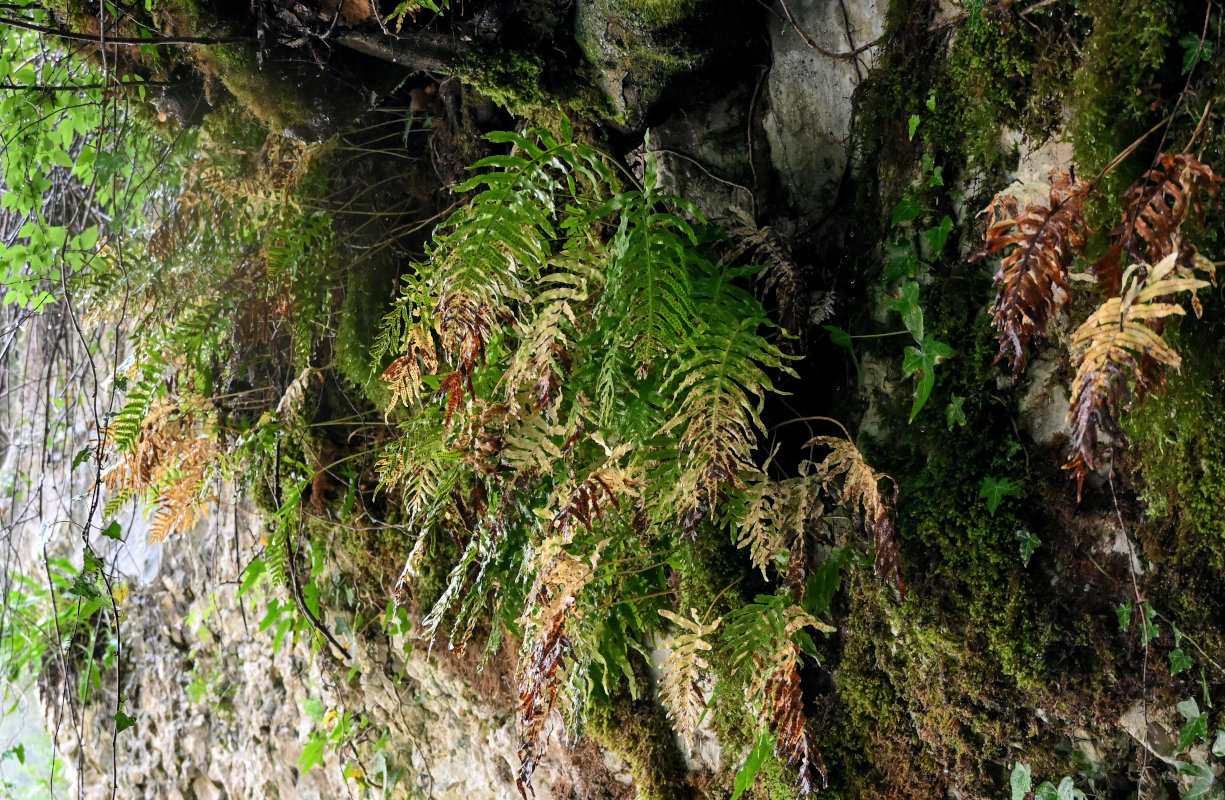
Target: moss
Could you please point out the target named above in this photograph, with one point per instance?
(1125, 61)
(638, 731)
(1178, 439)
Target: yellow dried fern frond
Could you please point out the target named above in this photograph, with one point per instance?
(684, 671)
(861, 490)
(1119, 353)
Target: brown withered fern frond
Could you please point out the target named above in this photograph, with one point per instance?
(861, 491)
(784, 703)
(552, 600)
(169, 465)
(1157, 205)
(776, 515)
(587, 501)
(1031, 282)
(1119, 354)
(781, 277)
(684, 671)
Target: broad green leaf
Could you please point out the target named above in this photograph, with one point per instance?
(1021, 781)
(123, 722)
(912, 125)
(954, 414)
(905, 211)
(994, 490)
(1123, 611)
(1029, 543)
(837, 336)
(938, 236)
(1179, 661)
(312, 754)
(901, 261)
(752, 765)
(907, 304)
(113, 531)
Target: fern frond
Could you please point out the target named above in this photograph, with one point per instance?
(772, 515)
(421, 466)
(533, 448)
(765, 653)
(1157, 206)
(719, 392)
(587, 501)
(539, 365)
(552, 599)
(684, 671)
(1031, 282)
(1120, 356)
(861, 491)
(781, 276)
(784, 703)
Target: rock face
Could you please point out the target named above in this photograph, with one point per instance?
(221, 713)
(810, 93)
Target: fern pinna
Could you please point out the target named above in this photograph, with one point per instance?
(578, 383)
(1118, 352)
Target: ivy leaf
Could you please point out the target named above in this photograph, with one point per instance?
(1021, 781)
(905, 211)
(1202, 779)
(923, 362)
(907, 304)
(938, 236)
(954, 414)
(123, 722)
(1196, 726)
(1029, 543)
(994, 490)
(752, 765)
(1179, 661)
(901, 261)
(113, 531)
(1123, 611)
(837, 337)
(1046, 791)
(912, 125)
(1194, 50)
(1151, 629)
(1218, 744)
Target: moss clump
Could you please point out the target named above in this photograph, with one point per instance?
(1178, 441)
(638, 731)
(1116, 92)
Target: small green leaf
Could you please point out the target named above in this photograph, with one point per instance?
(92, 563)
(1066, 790)
(82, 456)
(1179, 661)
(937, 177)
(1151, 629)
(905, 211)
(123, 722)
(954, 414)
(752, 765)
(1029, 543)
(1046, 791)
(1021, 781)
(314, 708)
(912, 126)
(994, 490)
(837, 336)
(938, 236)
(1218, 744)
(1196, 726)
(312, 754)
(901, 261)
(113, 531)
(1123, 611)
(907, 304)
